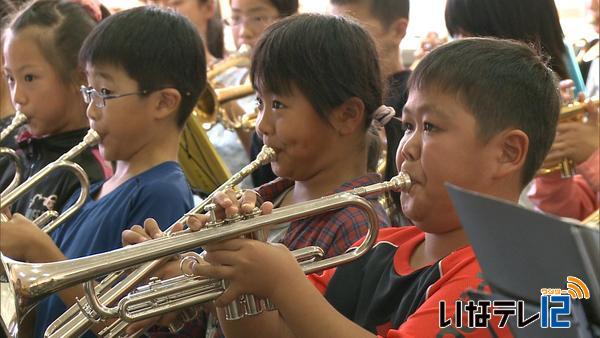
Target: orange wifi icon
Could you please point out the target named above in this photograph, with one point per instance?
(577, 288)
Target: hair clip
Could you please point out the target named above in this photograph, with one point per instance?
(382, 116)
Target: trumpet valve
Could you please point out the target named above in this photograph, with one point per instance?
(252, 305)
(212, 216)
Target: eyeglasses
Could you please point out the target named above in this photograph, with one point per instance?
(251, 21)
(99, 99)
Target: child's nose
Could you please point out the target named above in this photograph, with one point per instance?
(410, 148)
(264, 125)
(19, 97)
(92, 112)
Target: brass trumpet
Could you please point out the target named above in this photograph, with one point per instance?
(18, 120)
(29, 282)
(74, 322)
(210, 111)
(572, 112)
(92, 138)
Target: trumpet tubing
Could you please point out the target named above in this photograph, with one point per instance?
(64, 161)
(575, 111)
(239, 59)
(209, 108)
(42, 279)
(18, 120)
(135, 307)
(180, 292)
(75, 322)
(18, 170)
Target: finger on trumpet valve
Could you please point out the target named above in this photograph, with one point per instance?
(234, 310)
(252, 305)
(187, 264)
(212, 221)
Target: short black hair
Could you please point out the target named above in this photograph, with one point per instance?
(328, 58)
(285, 7)
(503, 83)
(157, 47)
(386, 11)
(534, 22)
(63, 26)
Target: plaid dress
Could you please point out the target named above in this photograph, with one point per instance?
(334, 232)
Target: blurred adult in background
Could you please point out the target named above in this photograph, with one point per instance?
(386, 21)
(534, 22)
(206, 16)
(248, 20)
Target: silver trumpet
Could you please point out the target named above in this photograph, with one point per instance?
(74, 322)
(30, 282)
(160, 297)
(18, 120)
(182, 292)
(64, 161)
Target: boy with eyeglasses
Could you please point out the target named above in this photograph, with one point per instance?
(141, 91)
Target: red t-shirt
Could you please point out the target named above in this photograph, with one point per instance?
(383, 294)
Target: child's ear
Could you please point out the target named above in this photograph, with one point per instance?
(348, 116)
(167, 102)
(398, 28)
(513, 146)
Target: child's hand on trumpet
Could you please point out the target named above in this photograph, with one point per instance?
(228, 204)
(23, 240)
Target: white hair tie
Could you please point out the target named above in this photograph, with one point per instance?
(383, 115)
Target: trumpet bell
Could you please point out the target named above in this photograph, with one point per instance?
(209, 110)
(16, 301)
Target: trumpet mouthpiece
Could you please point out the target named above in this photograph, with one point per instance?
(266, 155)
(400, 182)
(92, 137)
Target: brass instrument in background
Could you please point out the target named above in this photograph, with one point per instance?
(210, 110)
(241, 58)
(74, 323)
(18, 120)
(28, 282)
(64, 161)
(199, 159)
(572, 112)
(203, 167)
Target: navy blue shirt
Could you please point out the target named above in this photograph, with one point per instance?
(161, 192)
